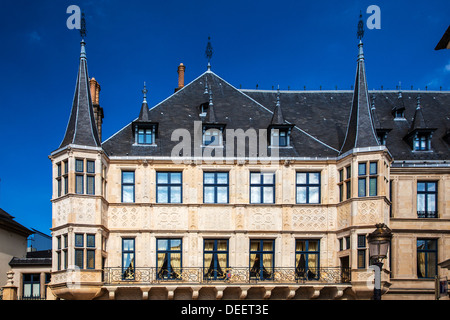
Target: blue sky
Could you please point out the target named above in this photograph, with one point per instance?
(288, 43)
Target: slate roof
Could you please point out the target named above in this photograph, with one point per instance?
(7, 222)
(81, 129)
(33, 258)
(325, 123)
(360, 129)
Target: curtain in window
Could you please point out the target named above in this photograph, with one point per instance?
(421, 264)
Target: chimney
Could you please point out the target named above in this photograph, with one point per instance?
(181, 69)
(98, 111)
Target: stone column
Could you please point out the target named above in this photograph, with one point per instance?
(10, 290)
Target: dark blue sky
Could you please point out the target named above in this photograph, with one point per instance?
(288, 43)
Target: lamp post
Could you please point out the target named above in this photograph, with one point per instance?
(378, 247)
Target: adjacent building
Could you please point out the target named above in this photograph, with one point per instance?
(225, 193)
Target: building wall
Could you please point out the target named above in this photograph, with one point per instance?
(11, 245)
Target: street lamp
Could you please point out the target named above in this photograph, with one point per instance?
(379, 241)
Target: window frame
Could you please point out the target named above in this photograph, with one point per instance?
(172, 273)
(128, 272)
(128, 184)
(306, 273)
(261, 186)
(426, 193)
(216, 274)
(427, 273)
(259, 275)
(308, 185)
(215, 186)
(169, 186)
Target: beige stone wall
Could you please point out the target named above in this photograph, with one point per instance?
(11, 245)
(104, 215)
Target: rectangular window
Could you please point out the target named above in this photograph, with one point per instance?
(79, 187)
(279, 138)
(145, 136)
(421, 143)
(371, 178)
(128, 259)
(58, 179)
(128, 186)
(348, 181)
(426, 258)
(215, 187)
(168, 252)
(262, 187)
(79, 165)
(262, 254)
(427, 199)
(79, 250)
(308, 187)
(215, 259)
(361, 251)
(90, 259)
(373, 172)
(168, 187)
(212, 137)
(362, 179)
(307, 253)
(345, 183)
(31, 286)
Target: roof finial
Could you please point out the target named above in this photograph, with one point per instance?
(144, 91)
(206, 86)
(83, 26)
(210, 96)
(278, 96)
(209, 52)
(418, 101)
(360, 33)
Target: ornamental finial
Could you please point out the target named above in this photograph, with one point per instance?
(209, 52)
(83, 26)
(144, 91)
(360, 33)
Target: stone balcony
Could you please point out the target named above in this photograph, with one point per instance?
(231, 283)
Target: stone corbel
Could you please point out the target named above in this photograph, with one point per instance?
(112, 293)
(268, 292)
(219, 292)
(145, 292)
(244, 291)
(170, 292)
(195, 292)
(316, 292)
(292, 291)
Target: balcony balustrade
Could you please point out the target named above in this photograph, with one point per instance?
(231, 275)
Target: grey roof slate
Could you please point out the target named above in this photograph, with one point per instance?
(81, 128)
(327, 123)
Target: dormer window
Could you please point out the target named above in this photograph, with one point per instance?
(382, 136)
(280, 137)
(422, 142)
(399, 114)
(145, 136)
(145, 133)
(212, 137)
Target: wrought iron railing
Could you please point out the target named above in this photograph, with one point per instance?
(427, 214)
(231, 275)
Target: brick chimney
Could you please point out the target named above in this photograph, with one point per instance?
(98, 111)
(181, 69)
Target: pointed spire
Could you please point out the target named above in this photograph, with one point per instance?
(277, 117)
(210, 114)
(209, 53)
(418, 120)
(82, 129)
(360, 131)
(144, 114)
